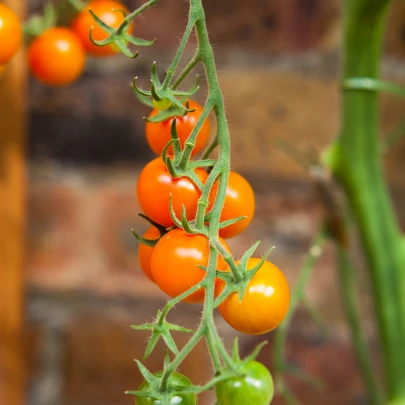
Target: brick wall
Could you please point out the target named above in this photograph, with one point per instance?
(87, 147)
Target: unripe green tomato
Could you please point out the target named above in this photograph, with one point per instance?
(162, 104)
(255, 387)
(175, 380)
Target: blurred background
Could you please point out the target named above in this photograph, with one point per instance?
(278, 64)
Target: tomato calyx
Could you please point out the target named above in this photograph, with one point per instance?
(151, 242)
(164, 388)
(160, 329)
(161, 93)
(119, 37)
(239, 277)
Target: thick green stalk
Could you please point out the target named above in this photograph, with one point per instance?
(358, 167)
(347, 279)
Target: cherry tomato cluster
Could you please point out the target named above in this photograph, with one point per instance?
(174, 263)
(57, 56)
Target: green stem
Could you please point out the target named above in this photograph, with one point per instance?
(189, 67)
(297, 295)
(358, 167)
(347, 276)
(177, 57)
(210, 148)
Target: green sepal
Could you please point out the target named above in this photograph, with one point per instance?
(147, 375)
(232, 221)
(252, 356)
(173, 215)
(233, 285)
(160, 329)
(235, 350)
(147, 242)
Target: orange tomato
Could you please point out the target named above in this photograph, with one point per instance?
(158, 133)
(108, 12)
(145, 252)
(10, 34)
(239, 201)
(174, 264)
(264, 305)
(56, 57)
(155, 185)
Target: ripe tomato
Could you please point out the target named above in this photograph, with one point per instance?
(155, 186)
(158, 133)
(255, 387)
(239, 201)
(145, 252)
(56, 57)
(176, 380)
(10, 34)
(108, 12)
(264, 305)
(174, 264)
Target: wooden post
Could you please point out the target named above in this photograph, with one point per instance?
(12, 224)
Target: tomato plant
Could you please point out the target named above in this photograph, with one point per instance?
(158, 133)
(239, 201)
(56, 57)
(254, 387)
(175, 262)
(111, 13)
(264, 305)
(176, 381)
(10, 34)
(155, 185)
(145, 252)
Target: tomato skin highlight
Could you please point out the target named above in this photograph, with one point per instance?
(239, 201)
(256, 387)
(158, 133)
(264, 305)
(56, 57)
(10, 34)
(145, 252)
(174, 264)
(82, 24)
(155, 186)
(176, 380)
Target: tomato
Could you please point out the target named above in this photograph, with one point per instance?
(254, 387)
(56, 57)
(155, 186)
(145, 252)
(264, 305)
(10, 34)
(239, 201)
(158, 133)
(176, 380)
(174, 264)
(108, 12)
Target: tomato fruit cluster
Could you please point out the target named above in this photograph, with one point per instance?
(57, 56)
(174, 263)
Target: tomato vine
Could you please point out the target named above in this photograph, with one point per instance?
(184, 197)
